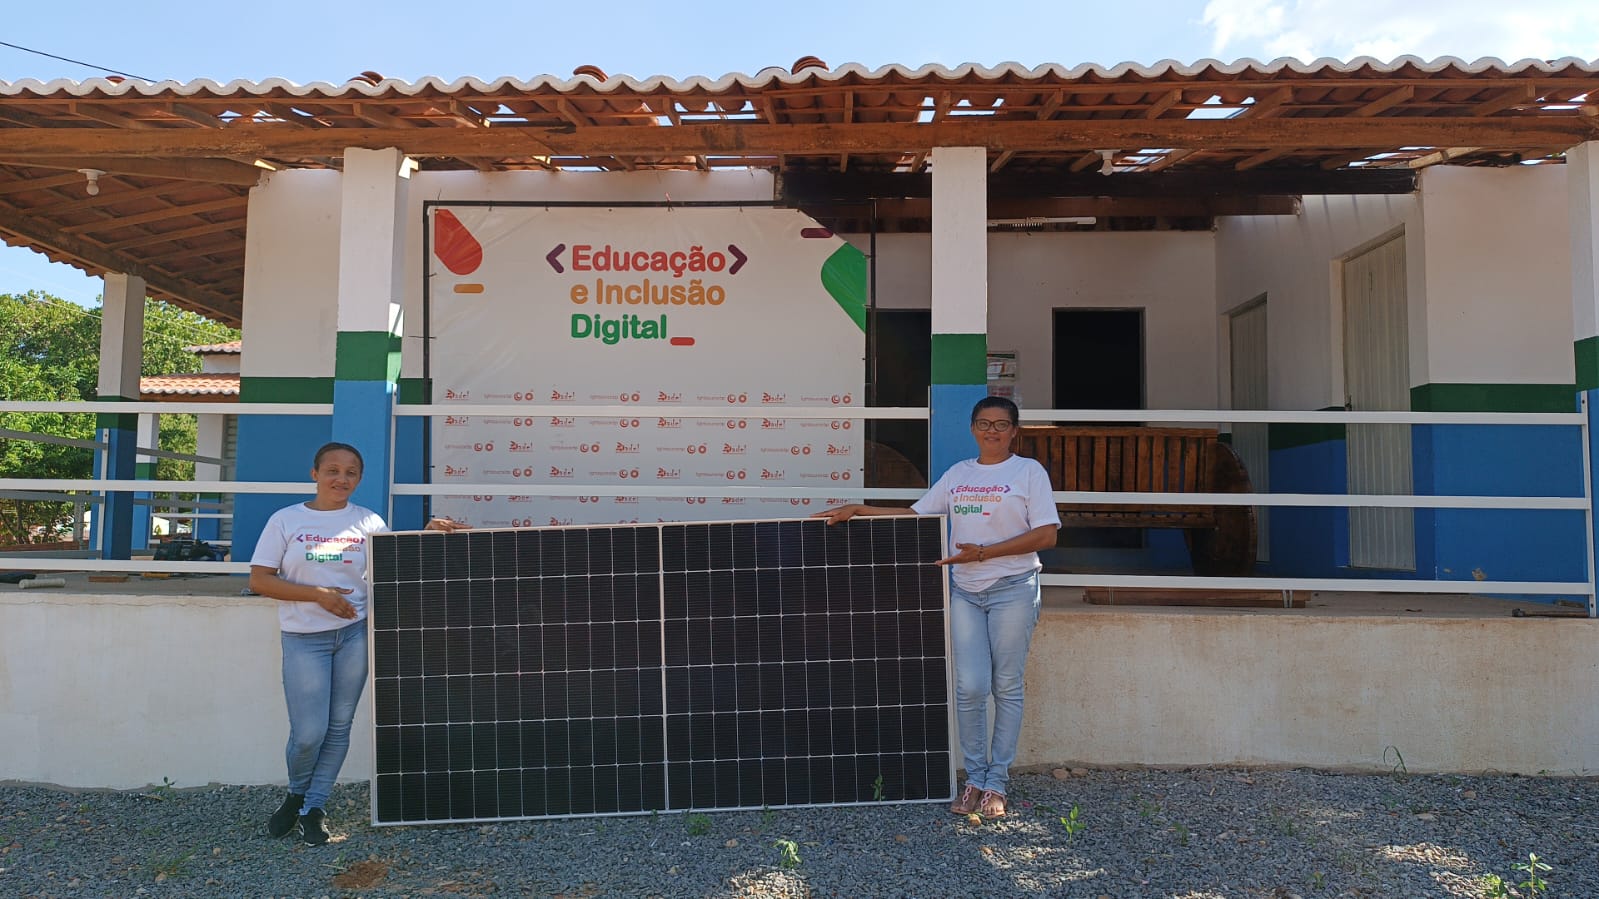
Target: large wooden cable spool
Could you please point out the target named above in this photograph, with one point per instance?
(1228, 549)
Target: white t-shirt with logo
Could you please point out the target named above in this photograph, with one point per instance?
(990, 503)
(318, 549)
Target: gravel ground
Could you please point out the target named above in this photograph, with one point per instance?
(1190, 834)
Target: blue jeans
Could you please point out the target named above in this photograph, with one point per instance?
(323, 676)
(990, 632)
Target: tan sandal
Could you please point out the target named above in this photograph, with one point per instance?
(991, 806)
(967, 801)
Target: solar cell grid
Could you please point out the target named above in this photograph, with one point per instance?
(601, 670)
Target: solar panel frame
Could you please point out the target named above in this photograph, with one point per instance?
(793, 616)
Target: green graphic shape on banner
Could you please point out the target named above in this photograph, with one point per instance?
(844, 279)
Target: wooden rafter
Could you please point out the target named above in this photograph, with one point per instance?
(1506, 99)
(1261, 158)
(98, 256)
(157, 215)
(181, 234)
(1395, 97)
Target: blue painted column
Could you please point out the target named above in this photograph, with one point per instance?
(121, 353)
(960, 302)
(1582, 173)
(371, 272)
(149, 434)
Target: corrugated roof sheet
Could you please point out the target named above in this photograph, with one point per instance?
(776, 76)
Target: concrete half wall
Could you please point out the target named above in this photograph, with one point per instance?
(122, 691)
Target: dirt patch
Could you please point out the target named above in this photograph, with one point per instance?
(362, 875)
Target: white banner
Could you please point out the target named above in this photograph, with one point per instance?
(752, 308)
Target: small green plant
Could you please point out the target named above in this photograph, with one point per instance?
(1147, 809)
(1398, 768)
(1318, 880)
(162, 791)
(1494, 887)
(167, 867)
(767, 817)
(1535, 885)
(698, 825)
(788, 855)
(1182, 833)
(877, 789)
(1073, 822)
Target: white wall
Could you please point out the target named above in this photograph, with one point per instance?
(1498, 275)
(291, 275)
(1169, 274)
(122, 691)
(1293, 261)
(1488, 280)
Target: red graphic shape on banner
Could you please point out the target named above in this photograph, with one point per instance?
(816, 232)
(454, 245)
(682, 341)
(740, 259)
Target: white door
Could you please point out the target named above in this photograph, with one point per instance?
(1247, 329)
(1377, 378)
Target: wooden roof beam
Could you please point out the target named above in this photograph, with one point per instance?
(292, 116)
(1082, 162)
(803, 188)
(214, 171)
(32, 184)
(379, 117)
(1166, 101)
(1398, 95)
(1440, 156)
(1056, 207)
(1171, 158)
(1328, 134)
(157, 215)
(1002, 160)
(194, 114)
(1262, 158)
(1515, 96)
(173, 236)
(98, 257)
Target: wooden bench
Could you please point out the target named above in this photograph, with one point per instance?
(1221, 539)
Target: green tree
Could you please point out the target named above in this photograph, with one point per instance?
(50, 351)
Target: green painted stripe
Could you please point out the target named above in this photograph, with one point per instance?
(844, 278)
(144, 471)
(1282, 436)
(415, 391)
(1493, 398)
(117, 421)
(1587, 353)
(960, 359)
(285, 390)
(366, 356)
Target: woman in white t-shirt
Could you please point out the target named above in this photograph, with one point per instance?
(1001, 513)
(312, 558)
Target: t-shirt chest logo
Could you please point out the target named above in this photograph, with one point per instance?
(341, 548)
(981, 499)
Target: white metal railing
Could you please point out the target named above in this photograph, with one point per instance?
(91, 491)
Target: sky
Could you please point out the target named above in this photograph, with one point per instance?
(161, 39)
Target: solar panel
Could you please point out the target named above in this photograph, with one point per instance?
(556, 672)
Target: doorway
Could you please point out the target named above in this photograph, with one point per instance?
(1377, 378)
(1099, 358)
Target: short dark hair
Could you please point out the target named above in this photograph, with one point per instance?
(998, 402)
(316, 461)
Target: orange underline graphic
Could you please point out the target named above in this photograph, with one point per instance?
(468, 288)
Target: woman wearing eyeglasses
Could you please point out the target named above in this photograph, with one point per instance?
(1001, 513)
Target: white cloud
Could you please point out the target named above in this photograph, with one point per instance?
(1344, 29)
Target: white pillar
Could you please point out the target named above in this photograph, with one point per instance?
(121, 353)
(959, 302)
(371, 273)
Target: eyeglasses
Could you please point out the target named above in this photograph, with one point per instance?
(983, 424)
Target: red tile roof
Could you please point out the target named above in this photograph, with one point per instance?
(197, 384)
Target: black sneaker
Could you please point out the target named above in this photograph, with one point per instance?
(312, 830)
(282, 820)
